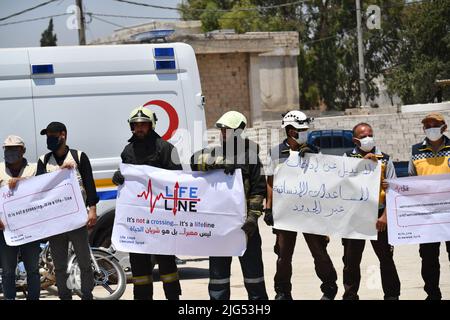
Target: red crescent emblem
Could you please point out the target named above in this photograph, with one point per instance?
(173, 117)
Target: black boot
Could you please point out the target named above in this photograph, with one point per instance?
(283, 296)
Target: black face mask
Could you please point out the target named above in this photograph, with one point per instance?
(12, 156)
(53, 143)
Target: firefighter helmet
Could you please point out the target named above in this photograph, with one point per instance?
(232, 120)
(142, 114)
(297, 119)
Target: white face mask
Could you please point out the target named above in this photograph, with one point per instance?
(434, 134)
(302, 137)
(367, 144)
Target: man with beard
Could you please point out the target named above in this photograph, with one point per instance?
(146, 147)
(236, 152)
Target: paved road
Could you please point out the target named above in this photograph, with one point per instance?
(305, 283)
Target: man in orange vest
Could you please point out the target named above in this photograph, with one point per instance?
(431, 156)
(365, 148)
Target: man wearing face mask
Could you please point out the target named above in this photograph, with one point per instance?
(62, 157)
(146, 147)
(353, 248)
(431, 156)
(238, 152)
(296, 125)
(14, 169)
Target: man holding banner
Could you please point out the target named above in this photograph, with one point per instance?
(431, 157)
(296, 125)
(16, 168)
(146, 147)
(61, 157)
(353, 248)
(234, 153)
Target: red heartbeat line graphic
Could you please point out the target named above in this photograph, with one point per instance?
(175, 197)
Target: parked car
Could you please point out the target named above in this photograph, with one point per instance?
(401, 168)
(332, 142)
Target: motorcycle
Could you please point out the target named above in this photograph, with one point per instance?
(109, 277)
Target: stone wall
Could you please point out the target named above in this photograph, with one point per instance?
(271, 82)
(394, 133)
(224, 79)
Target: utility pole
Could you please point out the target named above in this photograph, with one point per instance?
(81, 24)
(362, 77)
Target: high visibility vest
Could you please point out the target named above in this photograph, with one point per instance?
(427, 162)
(5, 174)
(52, 165)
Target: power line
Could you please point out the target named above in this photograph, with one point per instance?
(212, 10)
(130, 17)
(218, 10)
(109, 22)
(34, 19)
(166, 18)
(249, 8)
(328, 37)
(27, 10)
(154, 18)
(93, 14)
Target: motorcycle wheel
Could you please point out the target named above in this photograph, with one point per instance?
(109, 283)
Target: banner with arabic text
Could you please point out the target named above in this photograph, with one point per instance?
(327, 195)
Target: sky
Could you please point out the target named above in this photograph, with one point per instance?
(28, 34)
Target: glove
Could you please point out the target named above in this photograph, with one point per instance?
(229, 169)
(250, 225)
(305, 150)
(118, 179)
(268, 217)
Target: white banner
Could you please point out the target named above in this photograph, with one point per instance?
(418, 209)
(327, 195)
(171, 212)
(41, 207)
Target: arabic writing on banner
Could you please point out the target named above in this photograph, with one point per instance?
(327, 195)
(41, 207)
(418, 209)
(172, 212)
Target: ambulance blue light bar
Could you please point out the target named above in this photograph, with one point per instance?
(164, 53)
(165, 65)
(42, 69)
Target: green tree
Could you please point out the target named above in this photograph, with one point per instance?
(48, 38)
(424, 54)
(210, 20)
(242, 20)
(331, 51)
(411, 50)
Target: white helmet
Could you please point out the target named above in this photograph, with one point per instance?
(297, 119)
(142, 114)
(232, 120)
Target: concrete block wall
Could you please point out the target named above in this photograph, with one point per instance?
(224, 80)
(394, 133)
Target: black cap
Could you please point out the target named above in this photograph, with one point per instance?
(54, 127)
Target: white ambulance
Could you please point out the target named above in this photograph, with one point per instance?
(92, 90)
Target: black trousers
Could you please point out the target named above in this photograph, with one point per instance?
(317, 244)
(142, 268)
(252, 269)
(429, 252)
(353, 250)
(59, 245)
